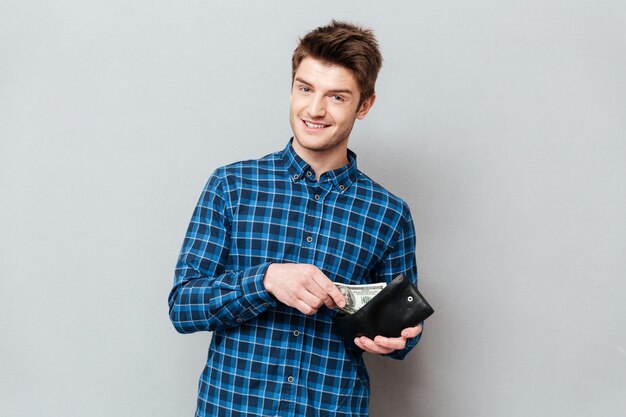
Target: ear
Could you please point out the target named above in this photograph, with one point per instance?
(365, 107)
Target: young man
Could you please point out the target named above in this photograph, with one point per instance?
(270, 237)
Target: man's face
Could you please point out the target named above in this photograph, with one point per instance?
(325, 105)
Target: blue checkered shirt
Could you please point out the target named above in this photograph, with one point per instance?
(265, 358)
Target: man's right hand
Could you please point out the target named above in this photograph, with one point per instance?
(303, 287)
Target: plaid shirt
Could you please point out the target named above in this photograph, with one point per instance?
(267, 359)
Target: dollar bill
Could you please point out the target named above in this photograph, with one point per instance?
(358, 295)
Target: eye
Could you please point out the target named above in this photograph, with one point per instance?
(338, 98)
(304, 89)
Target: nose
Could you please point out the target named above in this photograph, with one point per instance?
(317, 107)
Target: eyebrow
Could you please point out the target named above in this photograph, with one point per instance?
(339, 90)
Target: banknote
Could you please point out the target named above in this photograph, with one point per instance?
(358, 295)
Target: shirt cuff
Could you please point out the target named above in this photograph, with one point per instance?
(255, 295)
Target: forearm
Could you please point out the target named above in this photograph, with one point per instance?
(212, 303)
(401, 259)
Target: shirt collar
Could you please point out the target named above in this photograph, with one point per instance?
(300, 170)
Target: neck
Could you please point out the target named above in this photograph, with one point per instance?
(323, 161)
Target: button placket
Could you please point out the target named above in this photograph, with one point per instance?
(318, 194)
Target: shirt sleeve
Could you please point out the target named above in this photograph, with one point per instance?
(400, 259)
(206, 296)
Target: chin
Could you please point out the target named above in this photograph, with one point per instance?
(316, 145)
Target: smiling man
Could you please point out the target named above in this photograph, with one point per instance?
(269, 239)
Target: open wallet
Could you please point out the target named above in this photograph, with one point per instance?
(397, 306)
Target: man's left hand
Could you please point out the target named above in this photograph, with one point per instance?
(383, 345)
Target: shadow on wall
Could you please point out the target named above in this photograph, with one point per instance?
(396, 385)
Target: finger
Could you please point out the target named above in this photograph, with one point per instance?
(304, 308)
(330, 290)
(368, 345)
(393, 343)
(318, 285)
(314, 290)
(373, 347)
(412, 331)
(308, 297)
(363, 344)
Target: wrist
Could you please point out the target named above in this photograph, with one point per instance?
(267, 278)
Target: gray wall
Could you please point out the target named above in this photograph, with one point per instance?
(502, 123)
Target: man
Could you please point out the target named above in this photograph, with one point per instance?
(270, 237)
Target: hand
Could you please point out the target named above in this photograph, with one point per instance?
(303, 287)
(383, 345)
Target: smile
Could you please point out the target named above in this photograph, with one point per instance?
(312, 125)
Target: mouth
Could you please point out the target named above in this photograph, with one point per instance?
(312, 125)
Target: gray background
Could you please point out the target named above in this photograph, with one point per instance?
(501, 123)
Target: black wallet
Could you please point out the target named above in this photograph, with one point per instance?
(397, 306)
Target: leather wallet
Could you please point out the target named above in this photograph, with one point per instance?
(397, 306)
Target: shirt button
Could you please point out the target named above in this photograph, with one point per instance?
(317, 196)
(309, 239)
(341, 187)
(239, 320)
(295, 177)
(290, 379)
(296, 333)
(309, 174)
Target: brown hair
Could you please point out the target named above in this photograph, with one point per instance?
(345, 44)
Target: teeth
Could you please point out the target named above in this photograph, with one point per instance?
(313, 125)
